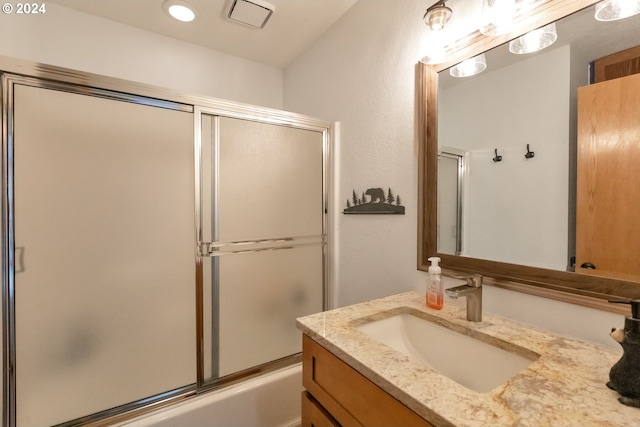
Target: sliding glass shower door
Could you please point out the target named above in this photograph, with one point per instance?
(104, 236)
(151, 249)
(262, 240)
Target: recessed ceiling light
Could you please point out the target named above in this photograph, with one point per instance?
(180, 10)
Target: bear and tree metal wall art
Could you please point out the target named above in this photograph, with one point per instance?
(374, 201)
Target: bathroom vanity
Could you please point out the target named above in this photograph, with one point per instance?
(393, 361)
(339, 395)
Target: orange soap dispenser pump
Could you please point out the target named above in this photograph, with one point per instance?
(434, 285)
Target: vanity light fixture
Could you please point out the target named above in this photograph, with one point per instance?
(470, 67)
(534, 40)
(438, 46)
(437, 15)
(180, 10)
(612, 10)
(497, 17)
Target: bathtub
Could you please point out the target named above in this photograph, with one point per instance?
(269, 400)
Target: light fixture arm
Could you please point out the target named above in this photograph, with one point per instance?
(439, 3)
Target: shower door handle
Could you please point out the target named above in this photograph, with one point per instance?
(19, 259)
(213, 249)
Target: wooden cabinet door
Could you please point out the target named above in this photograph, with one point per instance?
(351, 398)
(608, 181)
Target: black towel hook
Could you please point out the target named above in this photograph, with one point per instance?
(497, 158)
(529, 154)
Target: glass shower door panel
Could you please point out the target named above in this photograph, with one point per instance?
(104, 197)
(261, 295)
(270, 181)
(260, 181)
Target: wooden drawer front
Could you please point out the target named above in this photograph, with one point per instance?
(314, 415)
(351, 398)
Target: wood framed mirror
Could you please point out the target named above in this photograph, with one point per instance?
(526, 278)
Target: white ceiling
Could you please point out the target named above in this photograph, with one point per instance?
(293, 27)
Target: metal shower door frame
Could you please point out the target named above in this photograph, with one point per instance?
(214, 249)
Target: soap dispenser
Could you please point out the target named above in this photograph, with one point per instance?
(434, 286)
(624, 376)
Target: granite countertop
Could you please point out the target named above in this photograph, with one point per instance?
(564, 386)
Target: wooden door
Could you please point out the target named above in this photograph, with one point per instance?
(608, 181)
(619, 64)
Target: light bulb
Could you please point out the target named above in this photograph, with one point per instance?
(534, 40)
(612, 10)
(470, 67)
(497, 17)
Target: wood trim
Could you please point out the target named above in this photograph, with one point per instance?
(587, 286)
(428, 160)
(553, 294)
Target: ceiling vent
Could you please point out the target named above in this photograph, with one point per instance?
(253, 13)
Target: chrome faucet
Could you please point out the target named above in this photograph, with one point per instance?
(473, 291)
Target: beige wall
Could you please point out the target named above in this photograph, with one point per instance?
(71, 39)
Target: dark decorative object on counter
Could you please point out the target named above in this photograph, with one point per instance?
(374, 201)
(624, 376)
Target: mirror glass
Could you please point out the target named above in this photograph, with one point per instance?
(516, 124)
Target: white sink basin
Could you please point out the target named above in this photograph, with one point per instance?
(468, 361)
